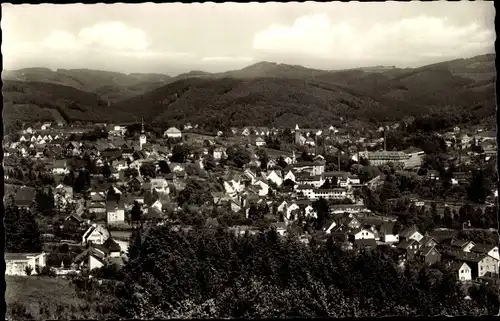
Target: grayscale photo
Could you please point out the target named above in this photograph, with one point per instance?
(250, 160)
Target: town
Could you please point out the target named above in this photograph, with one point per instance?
(87, 187)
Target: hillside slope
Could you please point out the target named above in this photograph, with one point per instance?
(111, 86)
(37, 101)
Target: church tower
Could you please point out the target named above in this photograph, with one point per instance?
(142, 138)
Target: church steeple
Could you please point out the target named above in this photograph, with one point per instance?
(142, 138)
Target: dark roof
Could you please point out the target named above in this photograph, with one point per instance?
(482, 248)
(406, 243)
(365, 243)
(408, 232)
(25, 196)
(424, 251)
(111, 245)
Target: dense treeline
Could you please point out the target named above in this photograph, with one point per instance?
(209, 273)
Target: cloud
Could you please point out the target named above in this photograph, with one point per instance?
(226, 59)
(115, 36)
(422, 36)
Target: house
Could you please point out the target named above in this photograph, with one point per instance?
(173, 132)
(45, 126)
(350, 221)
(280, 228)
(24, 197)
(433, 175)
(271, 164)
(330, 194)
(72, 222)
(329, 226)
(91, 258)
(490, 250)
(17, 263)
(409, 247)
(410, 233)
(479, 263)
(115, 212)
(462, 271)
(263, 187)
(429, 255)
(289, 175)
(364, 244)
(386, 233)
(275, 177)
(59, 167)
(361, 233)
(260, 142)
(160, 185)
(120, 165)
(219, 153)
(97, 234)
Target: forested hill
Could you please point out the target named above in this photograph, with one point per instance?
(111, 86)
(266, 94)
(281, 101)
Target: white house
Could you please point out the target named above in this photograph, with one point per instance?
(160, 185)
(310, 212)
(16, 263)
(173, 132)
(290, 208)
(362, 234)
(464, 272)
(290, 175)
(97, 234)
(330, 226)
(115, 212)
(46, 126)
(59, 167)
(282, 207)
(275, 177)
(219, 153)
(386, 233)
(411, 233)
(260, 142)
(264, 187)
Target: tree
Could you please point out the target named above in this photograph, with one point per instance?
(238, 155)
(164, 168)
(106, 170)
(263, 158)
(44, 200)
(479, 187)
(305, 157)
(180, 153)
(323, 212)
(136, 212)
(281, 162)
(366, 173)
(148, 169)
(28, 269)
(22, 233)
(209, 162)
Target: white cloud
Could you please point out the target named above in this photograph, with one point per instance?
(115, 36)
(316, 36)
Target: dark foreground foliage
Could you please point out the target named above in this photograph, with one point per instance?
(209, 273)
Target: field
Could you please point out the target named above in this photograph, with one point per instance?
(34, 292)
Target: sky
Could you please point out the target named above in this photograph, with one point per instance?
(176, 38)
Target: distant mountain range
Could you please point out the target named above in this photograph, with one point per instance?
(265, 93)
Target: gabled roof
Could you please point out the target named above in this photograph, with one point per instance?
(408, 232)
(426, 250)
(406, 244)
(362, 243)
(482, 248)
